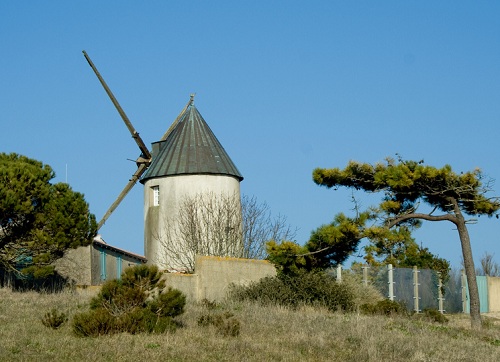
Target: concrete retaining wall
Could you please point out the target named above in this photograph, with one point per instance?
(213, 276)
(211, 280)
(186, 283)
(493, 294)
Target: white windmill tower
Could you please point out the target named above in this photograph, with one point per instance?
(189, 164)
(186, 162)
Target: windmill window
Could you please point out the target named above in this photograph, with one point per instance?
(156, 195)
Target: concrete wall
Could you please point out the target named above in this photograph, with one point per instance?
(213, 276)
(186, 283)
(493, 294)
(211, 280)
(173, 190)
(75, 265)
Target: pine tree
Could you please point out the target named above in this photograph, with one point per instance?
(406, 184)
(38, 220)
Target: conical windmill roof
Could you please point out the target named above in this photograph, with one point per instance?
(191, 148)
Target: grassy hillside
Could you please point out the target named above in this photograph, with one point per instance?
(267, 334)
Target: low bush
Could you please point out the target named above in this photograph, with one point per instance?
(384, 307)
(137, 303)
(225, 323)
(304, 288)
(94, 323)
(209, 304)
(54, 319)
(228, 327)
(433, 315)
(363, 294)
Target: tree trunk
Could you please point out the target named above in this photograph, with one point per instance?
(470, 272)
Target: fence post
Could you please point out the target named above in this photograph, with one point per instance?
(416, 298)
(440, 294)
(365, 275)
(464, 291)
(390, 278)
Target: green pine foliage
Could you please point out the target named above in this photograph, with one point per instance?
(332, 244)
(406, 182)
(328, 246)
(94, 323)
(398, 248)
(138, 303)
(39, 220)
(287, 256)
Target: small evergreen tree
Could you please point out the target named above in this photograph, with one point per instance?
(38, 220)
(137, 303)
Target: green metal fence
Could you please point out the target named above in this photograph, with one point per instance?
(417, 289)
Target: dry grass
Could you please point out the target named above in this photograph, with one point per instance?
(267, 334)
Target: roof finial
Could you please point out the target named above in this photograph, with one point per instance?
(191, 102)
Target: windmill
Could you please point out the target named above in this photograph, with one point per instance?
(187, 161)
(144, 159)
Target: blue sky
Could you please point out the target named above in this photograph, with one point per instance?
(285, 86)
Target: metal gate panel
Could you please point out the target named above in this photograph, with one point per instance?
(482, 286)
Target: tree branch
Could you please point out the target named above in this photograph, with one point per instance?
(315, 252)
(400, 219)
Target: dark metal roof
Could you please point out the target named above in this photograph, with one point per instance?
(103, 245)
(190, 148)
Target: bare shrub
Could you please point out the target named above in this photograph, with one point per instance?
(259, 226)
(206, 224)
(218, 225)
(488, 266)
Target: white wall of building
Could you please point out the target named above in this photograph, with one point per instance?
(172, 191)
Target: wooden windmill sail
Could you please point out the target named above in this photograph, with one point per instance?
(144, 159)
